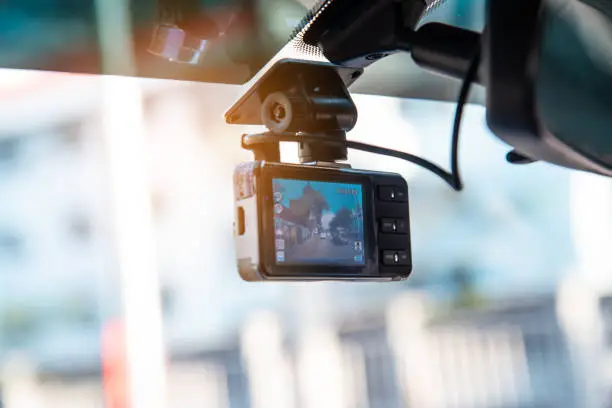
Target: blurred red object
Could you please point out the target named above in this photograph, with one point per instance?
(114, 365)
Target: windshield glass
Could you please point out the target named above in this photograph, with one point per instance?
(118, 37)
(119, 282)
(118, 276)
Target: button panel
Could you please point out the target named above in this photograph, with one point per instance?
(395, 258)
(393, 235)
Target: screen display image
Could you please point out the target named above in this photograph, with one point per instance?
(318, 222)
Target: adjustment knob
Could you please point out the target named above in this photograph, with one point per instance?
(284, 113)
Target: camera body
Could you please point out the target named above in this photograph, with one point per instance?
(304, 222)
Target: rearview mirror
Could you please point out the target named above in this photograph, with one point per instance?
(549, 81)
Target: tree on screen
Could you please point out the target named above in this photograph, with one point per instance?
(310, 205)
(342, 219)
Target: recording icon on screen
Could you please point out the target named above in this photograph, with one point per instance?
(280, 243)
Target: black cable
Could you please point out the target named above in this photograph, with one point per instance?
(419, 161)
(464, 93)
(454, 177)
(292, 137)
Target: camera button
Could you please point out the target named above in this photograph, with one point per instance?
(392, 193)
(388, 258)
(395, 258)
(386, 193)
(388, 225)
(402, 226)
(240, 221)
(393, 226)
(401, 195)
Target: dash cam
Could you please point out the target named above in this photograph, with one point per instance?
(318, 220)
(300, 222)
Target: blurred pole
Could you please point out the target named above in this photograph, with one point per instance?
(20, 387)
(115, 36)
(591, 218)
(134, 240)
(578, 309)
(420, 382)
(579, 318)
(271, 383)
(126, 150)
(320, 364)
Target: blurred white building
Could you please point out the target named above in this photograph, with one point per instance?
(58, 262)
(57, 254)
(54, 241)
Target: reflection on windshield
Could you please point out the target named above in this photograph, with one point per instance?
(119, 282)
(112, 37)
(235, 38)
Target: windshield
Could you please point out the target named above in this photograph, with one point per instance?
(118, 277)
(116, 37)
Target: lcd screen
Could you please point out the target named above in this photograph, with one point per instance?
(318, 223)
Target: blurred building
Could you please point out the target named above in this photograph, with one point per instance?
(54, 245)
(502, 247)
(364, 345)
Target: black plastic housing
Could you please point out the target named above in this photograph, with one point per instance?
(358, 33)
(254, 227)
(445, 49)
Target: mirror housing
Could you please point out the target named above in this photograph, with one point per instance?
(543, 90)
